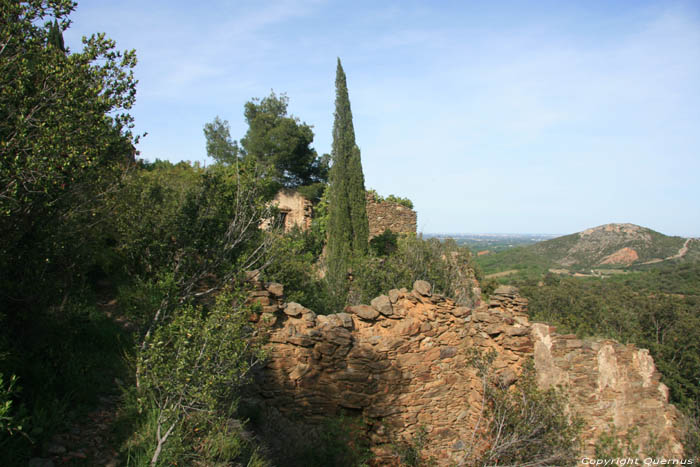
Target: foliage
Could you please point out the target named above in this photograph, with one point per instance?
(220, 146)
(9, 423)
(384, 244)
(64, 138)
(523, 425)
(611, 445)
(392, 199)
(446, 265)
(190, 230)
(691, 427)
(411, 452)
(337, 442)
(282, 142)
(195, 363)
(665, 324)
(293, 263)
(348, 227)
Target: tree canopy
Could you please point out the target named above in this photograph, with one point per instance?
(282, 142)
(64, 129)
(220, 146)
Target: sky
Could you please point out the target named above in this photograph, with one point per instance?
(493, 116)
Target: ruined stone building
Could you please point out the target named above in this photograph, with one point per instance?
(384, 215)
(296, 211)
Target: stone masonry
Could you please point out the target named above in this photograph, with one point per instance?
(400, 363)
(384, 215)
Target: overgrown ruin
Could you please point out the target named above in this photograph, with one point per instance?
(401, 365)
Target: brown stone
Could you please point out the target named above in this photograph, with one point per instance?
(363, 311)
(383, 305)
(294, 309)
(408, 327)
(517, 331)
(392, 375)
(394, 295)
(460, 311)
(275, 289)
(448, 352)
(422, 287)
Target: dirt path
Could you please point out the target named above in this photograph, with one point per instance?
(501, 274)
(681, 253)
(89, 440)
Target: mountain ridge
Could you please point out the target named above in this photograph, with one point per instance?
(607, 246)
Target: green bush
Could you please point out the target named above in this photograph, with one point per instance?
(191, 369)
(446, 265)
(384, 244)
(338, 441)
(293, 262)
(523, 425)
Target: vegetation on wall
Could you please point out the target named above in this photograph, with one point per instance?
(392, 199)
(523, 424)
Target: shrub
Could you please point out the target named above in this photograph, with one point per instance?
(447, 266)
(194, 365)
(523, 425)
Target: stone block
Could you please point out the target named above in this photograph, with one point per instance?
(422, 287)
(365, 312)
(294, 309)
(394, 295)
(275, 289)
(383, 305)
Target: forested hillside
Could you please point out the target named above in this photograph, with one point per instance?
(654, 305)
(126, 334)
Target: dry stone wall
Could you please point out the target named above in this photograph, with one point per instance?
(384, 215)
(401, 364)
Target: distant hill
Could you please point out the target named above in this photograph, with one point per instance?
(607, 248)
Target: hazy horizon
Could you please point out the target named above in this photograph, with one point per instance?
(491, 116)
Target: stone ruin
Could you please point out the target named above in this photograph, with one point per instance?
(294, 210)
(384, 215)
(297, 211)
(401, 364)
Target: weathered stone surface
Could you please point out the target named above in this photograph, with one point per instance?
(383, 305)
(363, 311)
(410, 371)
(384, 215)
(422, 287)
(275, 289)
(394, 295)
(460, 311)
(517, 330)
(295, 309)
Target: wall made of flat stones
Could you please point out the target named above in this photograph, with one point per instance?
(401, 364)
(384, 215)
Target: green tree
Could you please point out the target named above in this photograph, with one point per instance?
(56, 36)
(348, 228)
(282, 142)
(65, 136)
(220, 147)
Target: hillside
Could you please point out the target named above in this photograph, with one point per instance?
(607, 247)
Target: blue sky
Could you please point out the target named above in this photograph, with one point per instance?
(498, 116)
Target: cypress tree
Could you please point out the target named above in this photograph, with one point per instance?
(348, 228)
(55, 36)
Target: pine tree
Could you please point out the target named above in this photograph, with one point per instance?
(348, 228)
